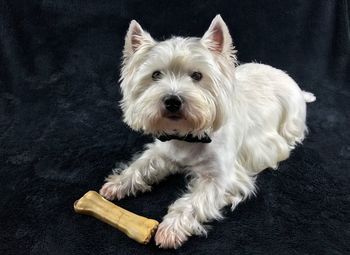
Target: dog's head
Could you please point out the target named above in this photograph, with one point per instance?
(180, 85)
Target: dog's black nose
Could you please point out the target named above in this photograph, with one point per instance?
(172, 103)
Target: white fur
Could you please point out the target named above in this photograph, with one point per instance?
(255, 115)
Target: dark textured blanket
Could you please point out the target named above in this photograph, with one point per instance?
(61, 131)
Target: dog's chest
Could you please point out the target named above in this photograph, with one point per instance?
(186, 154)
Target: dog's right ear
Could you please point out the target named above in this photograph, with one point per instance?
(136, 39)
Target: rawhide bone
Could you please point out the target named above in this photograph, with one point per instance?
(139, 228)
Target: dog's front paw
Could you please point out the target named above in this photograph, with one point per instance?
(169, 237)
(118, 186)
(112, 190)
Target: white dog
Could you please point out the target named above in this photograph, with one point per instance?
(220, 123)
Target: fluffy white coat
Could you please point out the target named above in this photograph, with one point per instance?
(255, 115)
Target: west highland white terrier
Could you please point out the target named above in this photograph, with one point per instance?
(219, 122)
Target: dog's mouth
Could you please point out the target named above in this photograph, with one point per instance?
(174, 116)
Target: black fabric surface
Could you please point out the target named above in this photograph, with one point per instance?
(61, 131)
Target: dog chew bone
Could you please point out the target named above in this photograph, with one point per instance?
(139, 228)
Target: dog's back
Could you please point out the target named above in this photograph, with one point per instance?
(275, 112)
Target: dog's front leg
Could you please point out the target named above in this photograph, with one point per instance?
(151, 167)
(187, 214)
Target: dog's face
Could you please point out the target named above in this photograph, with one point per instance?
(181, 85)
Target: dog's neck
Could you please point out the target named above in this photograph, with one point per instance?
(187, 138)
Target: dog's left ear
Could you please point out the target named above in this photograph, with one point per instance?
(136, 39)
(218, 38)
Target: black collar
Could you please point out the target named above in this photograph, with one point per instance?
(187, 138)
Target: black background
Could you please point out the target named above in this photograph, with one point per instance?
(61, 132)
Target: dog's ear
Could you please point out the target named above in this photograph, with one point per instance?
(136, 38)
(217, 38)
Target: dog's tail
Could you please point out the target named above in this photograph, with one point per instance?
(309, 97)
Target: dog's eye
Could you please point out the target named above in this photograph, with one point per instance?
(156, 75)
(197, 76)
